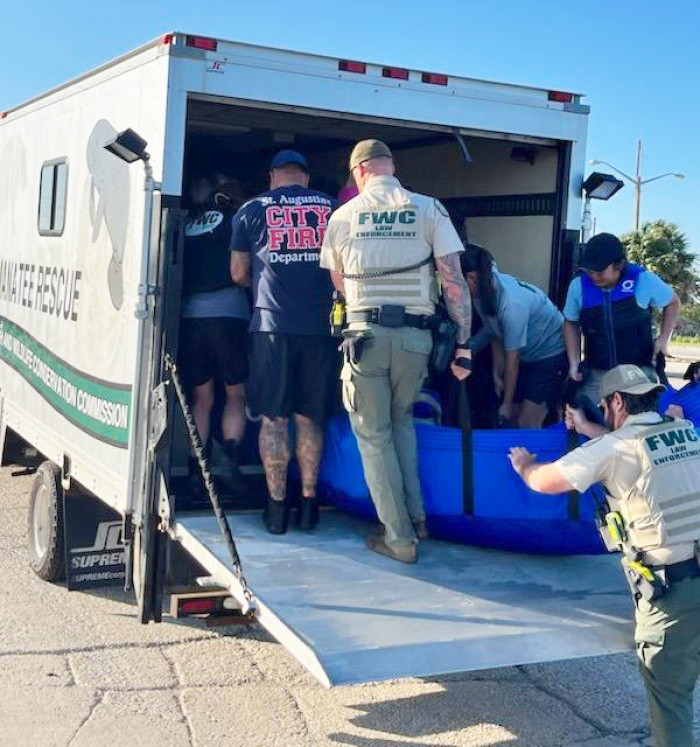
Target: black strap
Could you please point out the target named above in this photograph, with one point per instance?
(465, 423)
(573, 510)
(660, 367)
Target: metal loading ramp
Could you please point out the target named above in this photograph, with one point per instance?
(352, 616)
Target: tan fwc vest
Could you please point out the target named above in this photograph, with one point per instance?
(388, 235)
(662, 508)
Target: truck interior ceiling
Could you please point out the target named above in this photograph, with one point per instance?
(499, 189)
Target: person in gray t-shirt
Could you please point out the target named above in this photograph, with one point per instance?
(525, 328)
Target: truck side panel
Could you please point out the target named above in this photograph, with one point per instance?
(67, 325)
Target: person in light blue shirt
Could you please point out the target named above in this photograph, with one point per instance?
(529, 360)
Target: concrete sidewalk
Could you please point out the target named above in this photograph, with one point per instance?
(78, 670)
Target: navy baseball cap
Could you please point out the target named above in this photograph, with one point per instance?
(285, 157)
(600, 251)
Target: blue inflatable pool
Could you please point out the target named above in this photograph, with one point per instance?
(504, 513)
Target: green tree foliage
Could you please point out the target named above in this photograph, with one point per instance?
(689, 322)
(662, 248)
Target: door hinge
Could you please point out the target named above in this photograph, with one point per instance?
(159, 415)
(144, 293)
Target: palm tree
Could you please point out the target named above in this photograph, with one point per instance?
(662, 248)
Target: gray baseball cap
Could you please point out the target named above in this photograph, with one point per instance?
(628, 379)
(366, 150)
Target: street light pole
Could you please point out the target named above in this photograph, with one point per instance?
(638, 181)
(638, 185)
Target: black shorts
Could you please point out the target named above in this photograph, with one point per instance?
(291, 374)
(213, 348)
(541, 381)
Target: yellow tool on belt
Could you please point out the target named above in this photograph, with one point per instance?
(616, 527)
(337, 316)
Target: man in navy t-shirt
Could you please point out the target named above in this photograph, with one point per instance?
(275, 244)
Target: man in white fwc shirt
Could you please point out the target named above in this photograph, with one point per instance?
(382, 248)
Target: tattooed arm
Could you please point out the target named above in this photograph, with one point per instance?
(456, 294)
(459, 305)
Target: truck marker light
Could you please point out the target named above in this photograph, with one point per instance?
(167, 39)
(564, 98)
(198, 606)
(398, 73)
(348, 66)
(201, 42)
(434, 78)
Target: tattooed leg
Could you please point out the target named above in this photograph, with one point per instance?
(274, 452)
(308, 452)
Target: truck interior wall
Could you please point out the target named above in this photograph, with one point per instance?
(521, 244)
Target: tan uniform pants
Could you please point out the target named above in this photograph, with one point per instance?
(378, 393)
(668, 646)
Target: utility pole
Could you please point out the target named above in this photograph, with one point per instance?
(638, 181)
(638, 185)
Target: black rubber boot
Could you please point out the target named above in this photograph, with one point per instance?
(276, 516)
(308, 514)
(234, 480)
(196, 493)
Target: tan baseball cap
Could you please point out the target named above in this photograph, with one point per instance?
(366, 150)
(628, 379)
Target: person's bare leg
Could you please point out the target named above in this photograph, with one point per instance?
(202, 404)
(274, 453)
(531, 414)
(233, 418)
(309, 444)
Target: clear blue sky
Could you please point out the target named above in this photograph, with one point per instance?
(637, 61)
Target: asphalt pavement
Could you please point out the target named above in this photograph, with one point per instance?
(78, 670)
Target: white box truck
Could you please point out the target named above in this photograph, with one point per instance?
(90, 278)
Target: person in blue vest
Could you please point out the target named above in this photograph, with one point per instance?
(609, 306)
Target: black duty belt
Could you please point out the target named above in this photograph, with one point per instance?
(392, 316)
(680, 571)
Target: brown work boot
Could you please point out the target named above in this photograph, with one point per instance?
(404, 554)
(421, 529)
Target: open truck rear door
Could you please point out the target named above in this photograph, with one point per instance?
(146, 557)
